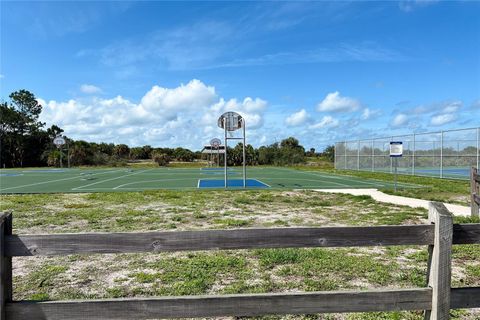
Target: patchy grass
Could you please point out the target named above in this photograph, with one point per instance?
(221, 272)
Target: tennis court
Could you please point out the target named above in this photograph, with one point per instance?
(123, 179)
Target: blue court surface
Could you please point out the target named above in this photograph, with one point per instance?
(233, 183)
(446, 171)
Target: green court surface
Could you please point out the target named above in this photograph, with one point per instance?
(123, 179)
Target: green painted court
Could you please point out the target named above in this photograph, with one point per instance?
(124, 179)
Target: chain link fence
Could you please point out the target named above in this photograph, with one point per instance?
(443, 154)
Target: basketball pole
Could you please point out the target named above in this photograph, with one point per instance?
(68, 154)
(225, 153)
(61, 152)
(244, 158)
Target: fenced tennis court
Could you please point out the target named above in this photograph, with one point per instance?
(443, 154)
(122, 179)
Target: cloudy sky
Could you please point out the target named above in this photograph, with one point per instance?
(161, 73)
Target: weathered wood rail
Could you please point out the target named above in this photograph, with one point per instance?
(475, 191)
(437, 298)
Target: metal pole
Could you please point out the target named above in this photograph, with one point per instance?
(396, 165)
(335, 156)
(441, 154)
(61, 164)
(358, 155)
(68, 155)
(373, 156)
(244, 158)
(225, 153)
(391, 160)
(478, 148)
(345, 149)
(413, 156)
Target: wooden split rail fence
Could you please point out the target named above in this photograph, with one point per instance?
(436, 298)
(475, 191)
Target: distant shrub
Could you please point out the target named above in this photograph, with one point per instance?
(162, 159)
(115, 161)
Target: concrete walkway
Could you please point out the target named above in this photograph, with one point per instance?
(404, 201)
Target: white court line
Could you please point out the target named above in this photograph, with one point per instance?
(383, 183)
(137, 189)
(300, 179)
(194, 188)
(353, 180)
(336, 176)
(43, 182)
(259, 181)
(148, 181)
(94, 183)
(337, 183)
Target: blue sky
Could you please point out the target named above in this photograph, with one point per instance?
(160, 73)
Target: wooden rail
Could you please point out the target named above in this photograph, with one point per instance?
(436, 299)
(475, 191)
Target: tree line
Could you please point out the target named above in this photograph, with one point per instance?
(25, 141)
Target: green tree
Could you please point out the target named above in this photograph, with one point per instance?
(311, 153)
(147, 152)
(106, 148)
(121, 151)
(182, 154)
(162, 159)
(137, 153)
(268, 154)
(21, 130)
(291, 152)
(329, 153)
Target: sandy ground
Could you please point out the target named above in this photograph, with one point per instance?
(411, 202)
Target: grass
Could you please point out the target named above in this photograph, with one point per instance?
(222, 272)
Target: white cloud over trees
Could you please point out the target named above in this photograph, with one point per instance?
(334, 102)
(185, 115)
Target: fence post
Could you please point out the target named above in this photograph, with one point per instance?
(5, 263)
(474, 192)
(439, 267)
(413, 156)
(358, 155)
(441, 154)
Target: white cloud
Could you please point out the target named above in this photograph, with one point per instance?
(185, 115)
(399, 120)
(2, 76)
(369, 113)
(90, 89)
(250, 109)
(169, 102)
(297, 118)
(442, 119)
(334, 102)
(452, 107)
(326, 122)
(410, 5)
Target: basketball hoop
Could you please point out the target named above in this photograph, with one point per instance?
(215, 143)
(231, 121)
(59, 141)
